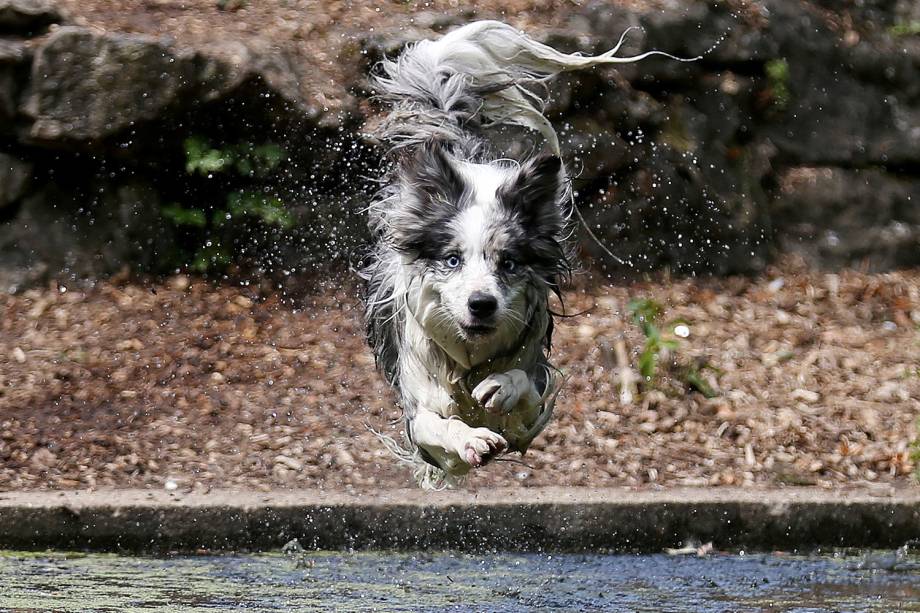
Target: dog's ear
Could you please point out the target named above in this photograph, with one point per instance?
(533, 195)
(433, 192)
(433, 178)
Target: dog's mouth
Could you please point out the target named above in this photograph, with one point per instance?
(477, 329)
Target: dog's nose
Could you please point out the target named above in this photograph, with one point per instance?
(482, 305)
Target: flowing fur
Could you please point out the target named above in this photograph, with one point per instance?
(452, 226)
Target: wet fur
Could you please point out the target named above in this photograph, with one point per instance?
(467, 397)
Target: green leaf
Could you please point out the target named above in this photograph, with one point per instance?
(200, 157)
(905, 28)
(698, 383)
(244, 167)
(270, 210)
(220, 218)
(248, 160)
(195, 146)
(210, 257)
(647, 360)
(268, 156)
(644, 310)
(181, 216)
(778, 77)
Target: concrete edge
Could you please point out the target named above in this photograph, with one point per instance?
(547, 519)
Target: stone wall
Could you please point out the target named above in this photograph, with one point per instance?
(799, 131)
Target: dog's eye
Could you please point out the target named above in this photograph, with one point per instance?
(452, 261)
(509, 265)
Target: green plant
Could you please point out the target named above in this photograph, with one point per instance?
(213, 231)
(646, 313)
(269, 209)
(661, 340)
(181, 216)
(905, 28)
(246, 159)
(209, 257)
(692, 375)
(778, 77)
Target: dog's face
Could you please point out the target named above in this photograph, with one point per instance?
(483, 240)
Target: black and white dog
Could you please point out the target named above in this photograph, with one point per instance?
(468, 248)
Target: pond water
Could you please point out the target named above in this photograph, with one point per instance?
(460, 582)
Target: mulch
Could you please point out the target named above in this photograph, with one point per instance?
(182, 383)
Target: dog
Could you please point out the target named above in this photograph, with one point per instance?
(468, 247)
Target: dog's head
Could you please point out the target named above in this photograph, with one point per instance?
(485, 240)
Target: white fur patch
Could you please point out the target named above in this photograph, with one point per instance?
(485, 179)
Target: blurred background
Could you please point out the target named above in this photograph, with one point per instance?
(181, 195)
(131, 131)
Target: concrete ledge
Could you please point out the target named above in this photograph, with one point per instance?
(553, 519)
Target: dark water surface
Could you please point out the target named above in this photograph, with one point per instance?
(460, 582)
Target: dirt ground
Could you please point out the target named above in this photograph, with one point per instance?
(185, 384)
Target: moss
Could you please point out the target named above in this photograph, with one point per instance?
(778, 76)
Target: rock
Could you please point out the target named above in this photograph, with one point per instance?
(849, 105)
(628, 109)
(687, 213)
(12, 52)
(64, 230)
(893, 63)
(385, 43)
(88, 86)
(837, 217)
(835, 119)
(594, 148)
(678, 162)
(27, 17)
(137, 235)
(605, 23)
(726, 36)
(15, 176)
(14, 56)
(906, 11)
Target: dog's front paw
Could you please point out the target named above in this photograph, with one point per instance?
(481, 445)
(501, 392)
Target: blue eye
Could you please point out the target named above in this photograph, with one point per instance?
(452, 261)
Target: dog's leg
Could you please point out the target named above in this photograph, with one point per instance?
(517, 406)
(504, 392)
(454, 445)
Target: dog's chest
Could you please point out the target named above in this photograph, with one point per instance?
(466, 408)
(513, 426)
